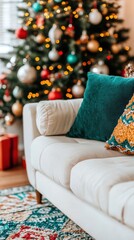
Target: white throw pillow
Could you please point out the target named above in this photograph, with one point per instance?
(56, 117)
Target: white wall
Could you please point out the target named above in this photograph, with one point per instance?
(127, 13)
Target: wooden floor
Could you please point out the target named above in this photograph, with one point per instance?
(13, 177)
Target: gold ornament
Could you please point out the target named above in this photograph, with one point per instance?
(9, 119)
(93, 45)
(40, 38)
(17, 108)
(115, 48)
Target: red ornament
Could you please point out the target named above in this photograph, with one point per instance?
(123, 73)
(55, 94)
(60, 53)
(109, 57)
(21, 33)
(70, 30)
(45, 74)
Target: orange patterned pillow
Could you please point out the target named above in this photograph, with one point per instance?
(122, 138)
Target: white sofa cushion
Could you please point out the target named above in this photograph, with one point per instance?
(56, 117)
(55, 156)
(121, 202)
(91, 180)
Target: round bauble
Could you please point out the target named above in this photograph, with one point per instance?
(55, 94)
(55, 33)
(21, 33)
(37, 7)
(17, 92)
(27, 74)
(72, 58)
(7, 96)
(45, 74)
(17, 109)
(115, 48)
(100, 68)
(58, 1)
(9, 119)
(78, 90)
(40, 20)
(40, 38)
(70, 30)
(53, 55)
(93, 45)
(95, 17)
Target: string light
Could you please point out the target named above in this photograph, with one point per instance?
(63, 28)
(26, 14)
(59, 66)
(38, 68)
(127, 48)
(29, 4)
(51, 68)
(65, 72)
(46, 92)
(37, 59)
(100, 49)
(69, 95)
(47, 45)
(34, 26)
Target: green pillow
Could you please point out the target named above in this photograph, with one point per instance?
(104, 100)
(122, 138)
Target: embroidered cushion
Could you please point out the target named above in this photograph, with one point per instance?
(122, 138)
(104, 100)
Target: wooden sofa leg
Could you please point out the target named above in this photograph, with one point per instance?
(38, 197)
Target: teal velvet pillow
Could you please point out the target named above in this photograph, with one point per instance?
(104, 100)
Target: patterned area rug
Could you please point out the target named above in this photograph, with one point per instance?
(22, 218)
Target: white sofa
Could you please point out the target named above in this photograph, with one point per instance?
(91, 185)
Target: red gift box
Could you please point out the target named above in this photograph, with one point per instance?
(4, 152)
(8, 151)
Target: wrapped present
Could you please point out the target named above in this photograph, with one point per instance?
(8, 151)
(4, 152)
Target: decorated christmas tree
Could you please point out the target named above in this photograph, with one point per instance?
(59, 41)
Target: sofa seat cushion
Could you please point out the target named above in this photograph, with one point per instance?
(92, 180)
(55, 156)
(121, 203)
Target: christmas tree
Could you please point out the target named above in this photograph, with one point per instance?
(59, 41)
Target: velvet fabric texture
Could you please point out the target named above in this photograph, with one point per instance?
(122, 138)
(104, 100)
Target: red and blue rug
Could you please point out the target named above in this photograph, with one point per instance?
(22, 218)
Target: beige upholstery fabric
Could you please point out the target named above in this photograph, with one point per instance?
(91, 180)
(121, 202)
(55, 156)
(56, 117)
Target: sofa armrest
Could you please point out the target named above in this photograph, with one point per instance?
(30, 132)
(56, 117)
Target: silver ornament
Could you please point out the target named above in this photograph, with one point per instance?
(95, 17)
(78, 90)
(55, 33)
(53, 55)
(100, 68)
(17, 92)
(27, 74)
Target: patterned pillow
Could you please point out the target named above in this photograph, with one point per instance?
(122, 138)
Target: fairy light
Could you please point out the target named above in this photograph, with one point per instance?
(89, 62)
(84, 64)
(66, 73)
(115, 35)
(63, 3)
(47, 45)
(107, 34)
(100, 49)
(107, 18)
(63, 28)
(127, 48)
(59, 66)
(26, 14)
(101, 34)
(51, 15)
(29, 4)
(42, 27)
(38, 68)
(76, 15)
(46, 82)
(57, 41)
(69, 95)
(30, 19)
(74, 12)
(47, 39)
(51, 68)
(37, 59)
(34, 26)
(69, 90)
(46, 92)
(58, 11)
